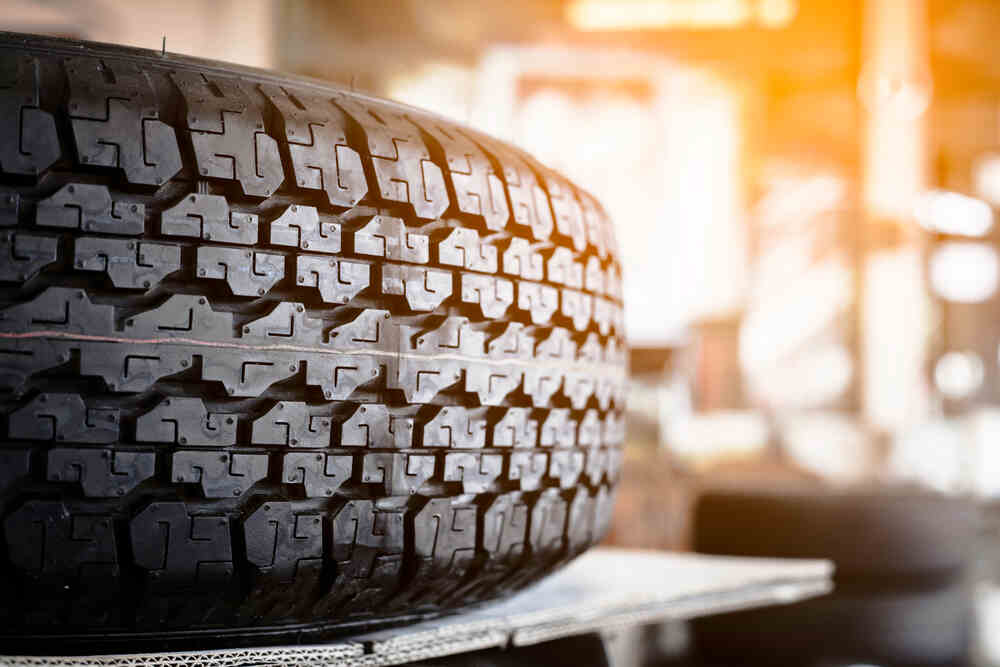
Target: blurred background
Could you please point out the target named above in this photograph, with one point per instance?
(804, 190)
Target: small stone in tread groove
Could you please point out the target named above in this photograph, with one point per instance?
(90, 208)
(209, 217)
(385, 236)
(301, 227)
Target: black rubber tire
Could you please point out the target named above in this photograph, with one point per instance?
(904, 629)
(873, 536)
(277, 358)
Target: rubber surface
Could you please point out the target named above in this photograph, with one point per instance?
(874, 536)
(275, 356)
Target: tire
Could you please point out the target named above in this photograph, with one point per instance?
(876, 538)
(279, 360)
(903, 629)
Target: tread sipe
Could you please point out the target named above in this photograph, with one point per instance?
(277, 358)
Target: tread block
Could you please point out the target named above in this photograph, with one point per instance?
(566, 465)
(562, 270)
(580, 381)
(316, 134)
(179, 547)
(596, 222)
(604, 504)
(219, 475)
(227, 132)
(285, 544)
(182, 315)
(425, 365)
(603, 315)
(185, 421)
(493, 294)
(319, 480)
(598, 462)
(290, 424)
(281, 539)
(425, 289)
(338, 280)
(24, 255)
(129, 368)
(402, 474)
(367, 329)
(129, 264)
(246, 374)
(20, 359)
(505, 528)
(515, 429)
(491, 383)
(524, 260)
(403, 167)
(386, 236)
(593, 276)
(63, 417)
(339, 375)
(444, 540)
(368, 549)
(577, 306)
(529, 203)
(209, 217)
(478, 189)
(90, 208)
(529, 467)
(115, 121)
(373, 426)
(456, 427)
(614, 429)
(544, 378)
(474, 470)
(590, 431)
(539, 300)
(29, 142)
(462, 248)
(566, 210)
(287, 322)
(558, 430)
(247, 272)
(580, 528)
(55, 538)
(548, 524)
(101, 473)
(613, 283)
(301, 227)
(15, 464)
